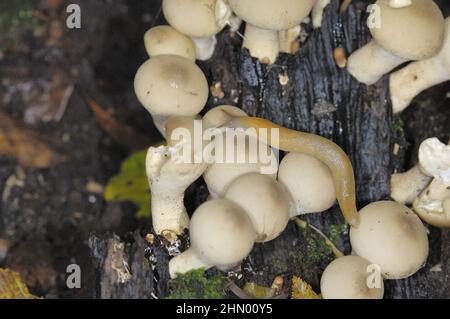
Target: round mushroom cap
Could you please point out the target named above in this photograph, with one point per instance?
(309, 181)
(195, 18)
(243, 160)
(391, 236)
(265, 202)
(415, 32)
(351, 277)
(171, 85)
(273, 15)
(221, 232)
(165, 40)
(220, 115)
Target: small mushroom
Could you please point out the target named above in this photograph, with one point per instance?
(230, 163)
(434, 162)
(220, 115)
(169, 85)
(266, 20)
(199, 19)
(391, 236)
(416, 77)
(221, 234)
(309, 182)
(432, 204)
(413, 32)
(350, 277)
(317, 12)
(264, 200)
(165, 40)
(168, 180)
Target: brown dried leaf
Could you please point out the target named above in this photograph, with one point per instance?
(121, 133)
(25, 145)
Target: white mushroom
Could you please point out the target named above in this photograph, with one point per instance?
(413, 32)
(221, 234)
(220, 115)
(432, 204)
(168, 180)
(351, 277)
(416, 77)
(309, 182)
(265, 20)
(199, 19)
(169, 85)
(399, 3)
(165, 40)
(391, 236)
(264, 200)
(405, 187)
(243, 154)
(317, 12)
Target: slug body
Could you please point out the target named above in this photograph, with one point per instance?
(321, 148)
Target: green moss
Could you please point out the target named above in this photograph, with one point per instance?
(195, 285)
(398, 125)
(16, 16)
(337, 231)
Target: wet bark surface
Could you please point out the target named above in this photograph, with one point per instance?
(53, 219)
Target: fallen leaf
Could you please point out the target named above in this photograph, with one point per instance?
(12, 286)
(122, 134)
(259, 292)
(302, 290)
(131, 184)
(25, 145)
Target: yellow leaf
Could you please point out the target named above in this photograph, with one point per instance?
(12, 286)
(302, 290)
(258, 292)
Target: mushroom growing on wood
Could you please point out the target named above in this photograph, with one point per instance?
(264, 200)
(309, 182)
(165, 40)
(349, 277)
(432, 205)
(391, 236)
(413, 32)
(221, 234)
(267, 21)
(169, 85)
(416, 77)
(199, 19)
(322, 149)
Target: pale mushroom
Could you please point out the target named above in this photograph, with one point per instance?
(169, 85)
(309, 182)
(266, 20)
(416, 77)
(413, 32)
(391, 236)
(165, 40)
(199, 19)
(264, 200)
(245, 155)
(221, 234)
(220, 115)
(351, 277)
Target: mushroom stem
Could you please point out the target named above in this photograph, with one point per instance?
(416, 77)
(288, 40)
(399, 3)
(317, 12)
(405, 187)
(262, 44)
(168, 181)
(321, 148)
(186, 261)
(204, 47)
(369, 63)
(160, 122)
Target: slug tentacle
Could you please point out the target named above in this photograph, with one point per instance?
(321, 148)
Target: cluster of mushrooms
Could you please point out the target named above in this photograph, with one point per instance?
(246, 205)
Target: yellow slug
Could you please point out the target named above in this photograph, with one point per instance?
(321, 148)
